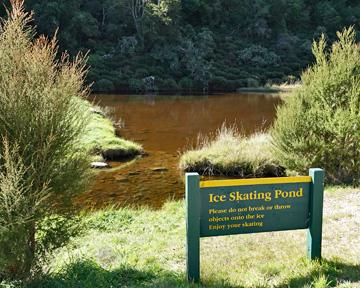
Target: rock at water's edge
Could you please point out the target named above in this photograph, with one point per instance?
(99, 165)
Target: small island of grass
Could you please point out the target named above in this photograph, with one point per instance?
(101, 139)
(229, 153)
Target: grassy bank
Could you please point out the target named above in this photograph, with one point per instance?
(283, 88)
(144, 248)
(232, 154)
(101, 139)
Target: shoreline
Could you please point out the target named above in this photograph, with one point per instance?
(284, 88)
(102, 141)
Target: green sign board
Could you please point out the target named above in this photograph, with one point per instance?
(239, 206)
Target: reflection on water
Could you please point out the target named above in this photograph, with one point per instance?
(165, 125)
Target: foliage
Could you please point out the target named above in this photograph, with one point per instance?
(230, 153)
(19, 204)
(218, 44)
(104, 85)
(320, 125)
(257, 56)
(41, 165)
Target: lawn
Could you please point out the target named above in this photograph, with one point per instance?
(146, 248)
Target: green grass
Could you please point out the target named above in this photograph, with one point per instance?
(232, 154)
(146, 248)
(282, 88)
(100, 139)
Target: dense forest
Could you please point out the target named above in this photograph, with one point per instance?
(192, 45)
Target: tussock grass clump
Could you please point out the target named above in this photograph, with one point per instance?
(319, 126)
(231, 154)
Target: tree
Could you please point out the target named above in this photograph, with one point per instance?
(105, 26)
(42, 167)
(319, 126)
(137, 11)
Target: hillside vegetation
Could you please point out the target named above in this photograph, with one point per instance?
(192, 45)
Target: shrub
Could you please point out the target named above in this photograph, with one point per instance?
(218, 82)
(16, 213)
(169, 85)
(141, 73)
(252, 82)
(136, 85)
(104, 85)
(41, 123)
(258, 56)
(232, 154)
(186, 84)
(320, 125)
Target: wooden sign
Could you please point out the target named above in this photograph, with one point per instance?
(239, 206)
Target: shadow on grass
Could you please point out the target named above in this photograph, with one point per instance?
(88, 274)
(335, 272)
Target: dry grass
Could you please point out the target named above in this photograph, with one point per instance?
(230, 153)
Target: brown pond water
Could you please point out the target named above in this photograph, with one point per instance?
(165, 126)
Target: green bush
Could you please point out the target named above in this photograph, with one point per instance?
(169, 85)
(252, 82)
(186, 84)
(141, 73)
(104, 85)
(320, 125)
(41, 165)
(219, 83)
(136, 85)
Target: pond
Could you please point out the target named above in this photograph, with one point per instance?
(166, 126)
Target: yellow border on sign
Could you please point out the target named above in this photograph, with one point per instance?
(254, 181)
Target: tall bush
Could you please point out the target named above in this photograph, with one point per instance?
(319, 126)
(41, 164)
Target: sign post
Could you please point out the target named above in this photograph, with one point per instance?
(192, 226)
(316, 212)
(240, 206)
